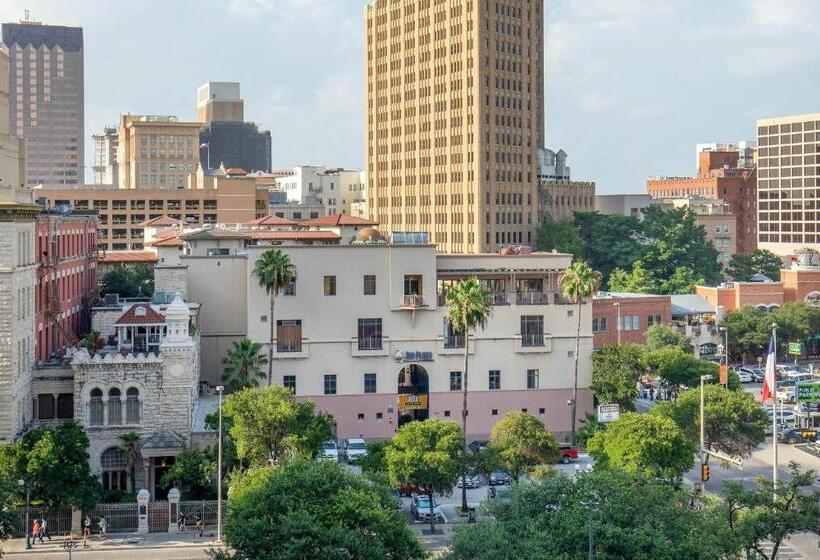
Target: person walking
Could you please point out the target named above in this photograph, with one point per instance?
(103, 527)
(35, 531)
(86, 530)
(181, 522)
(199, 525)
(44, 529)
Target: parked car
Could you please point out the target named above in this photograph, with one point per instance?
(478, 445)
(498, 478)
(568, 454)
(758, 374)
(420, 508)
(355, 448)
(798, 435)
(408, 490)
(469, 481)
(744, 376)
(800, 376)
(329, 451)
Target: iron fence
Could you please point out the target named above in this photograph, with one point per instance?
(58, 520)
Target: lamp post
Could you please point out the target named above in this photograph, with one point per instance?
(219, 390)
(725, 332)
(774, 410)
(617, 305)
(22, 484)
(590, 505)
(703, 378)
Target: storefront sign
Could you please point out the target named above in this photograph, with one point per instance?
(608, 412)
(413, 356)
(413, 402)
(813, 299)
(724, 375)
(795, 349)
(808, 392)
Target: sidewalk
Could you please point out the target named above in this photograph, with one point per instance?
(116, 541)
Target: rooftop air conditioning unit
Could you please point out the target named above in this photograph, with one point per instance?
(112, 300)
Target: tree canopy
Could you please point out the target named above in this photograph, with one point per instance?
(309, 509)
(129, 281)
(616, 369)
(632, 518)
(741, 268)
(663, 336)
(750, 329)
(521, 442)
(242, 365)
(559, 236)
(193, 474)
(648, 445)
(268, 424)
(677, 368)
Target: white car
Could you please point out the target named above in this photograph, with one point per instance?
(800, 376)
(329, 451)
(785, 394)
(355, 448)
(744, 376)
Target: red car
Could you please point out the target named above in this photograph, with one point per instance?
(410, 489)
(568, 454)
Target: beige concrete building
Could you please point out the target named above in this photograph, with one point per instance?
(156, 151)
(219, 101)
(560, 200)
(455, 116)
(12, 148)
(787, 183)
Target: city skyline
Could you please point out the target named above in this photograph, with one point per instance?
(699, 81)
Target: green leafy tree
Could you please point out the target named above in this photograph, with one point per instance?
(648, 445)
(469, 307)
(635, 281)
(427, 454)
(741, 268)
(274, 272)
(192, 474)
(93, 341)
(770, 514)
(677, 368)
(616, 369)
(578, 284)
(8, 519)
(682, 281)
(610, 241)
(129, 281)
(793, 323)
(268, 424)
(663, 336)
(589, 427)
(560, 237)
(522, 442)
(308, 509)
(242, 365)
(734, 422)
(632, 518)
(373, 463)
(749, 331)
(54, 463)
(130, 445)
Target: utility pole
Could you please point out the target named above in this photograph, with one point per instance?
(617, 305)
(703, 455)
(774, 411)
(219, 390)
(590, 505)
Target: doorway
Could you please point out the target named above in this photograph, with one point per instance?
(414, 402)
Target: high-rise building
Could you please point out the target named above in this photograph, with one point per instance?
(46, 99)
(455, 116)
(105, 166)
(12, 148)
(559, 197)
(226, 138)
(787, 183)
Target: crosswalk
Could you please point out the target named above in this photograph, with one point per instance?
(785, 552)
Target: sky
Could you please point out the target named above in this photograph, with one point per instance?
(631, 85)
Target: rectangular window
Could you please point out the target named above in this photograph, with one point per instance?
(369, 382)
(370, 334)
(532, 379)
(455, 381)
(65, 406)
(330, 384)
(532, 330)
(45, 407)
(289, 382)
(495, 379)
(654, 320)
(289, 335)
(369, 285)
(290, 289)
(599, 324)
(330, 285)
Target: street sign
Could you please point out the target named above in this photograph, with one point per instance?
(808, 392)
(608, 412)
(795, 349)
(724, 375)
(415, 401)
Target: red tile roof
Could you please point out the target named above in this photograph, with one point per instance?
(167, 241)
(270, 221)
(235, 171)
(293, 235)
(140, 314)
(337, 220)
(113, 257)
(163, 221)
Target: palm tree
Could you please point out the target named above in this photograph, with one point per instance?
(242, 365)
(275, 272)
(578, 283)
(130, 445)
(93, 341)
(469, 308)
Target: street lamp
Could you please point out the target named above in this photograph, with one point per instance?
(617, 305)
(703, 378)
(219, 390)
(725, 332)
(774, 409)
(22, 484)
(590, 505)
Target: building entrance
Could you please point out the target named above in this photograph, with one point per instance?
(414, 401)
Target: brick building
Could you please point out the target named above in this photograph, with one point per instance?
(627, 316)
(719, 177)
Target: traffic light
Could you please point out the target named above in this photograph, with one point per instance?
(704, 472)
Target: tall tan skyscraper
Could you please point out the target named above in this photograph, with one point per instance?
(455, 116)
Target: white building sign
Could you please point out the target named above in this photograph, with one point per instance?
(608, 412)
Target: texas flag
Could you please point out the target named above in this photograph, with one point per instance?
(769, 384)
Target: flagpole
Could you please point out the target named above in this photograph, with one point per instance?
(774, 413)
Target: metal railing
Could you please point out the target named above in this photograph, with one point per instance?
(413, 300)
(498, 298)
(532, 298)
(289, 346)
(454, 341)
(371, 343)
(529, 340)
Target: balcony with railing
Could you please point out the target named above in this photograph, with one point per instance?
(370, 346)
(532, 298)
(499, 298)
(532, 339)
(412, 301)
(370, 343)
(454, 341)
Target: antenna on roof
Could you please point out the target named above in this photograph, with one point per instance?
(26, 15)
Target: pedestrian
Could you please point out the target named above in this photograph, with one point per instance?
(86, 530)
(35, 531)
(44, 529)
(651, 393)
(181, 522)
(199, 525)
(103, 527)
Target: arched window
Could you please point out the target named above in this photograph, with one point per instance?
(133, 407)
(95, 408)
(114, 407)
(114, 469)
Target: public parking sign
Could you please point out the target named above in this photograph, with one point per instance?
(795, 349)
(608, 412)
(808, 392)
